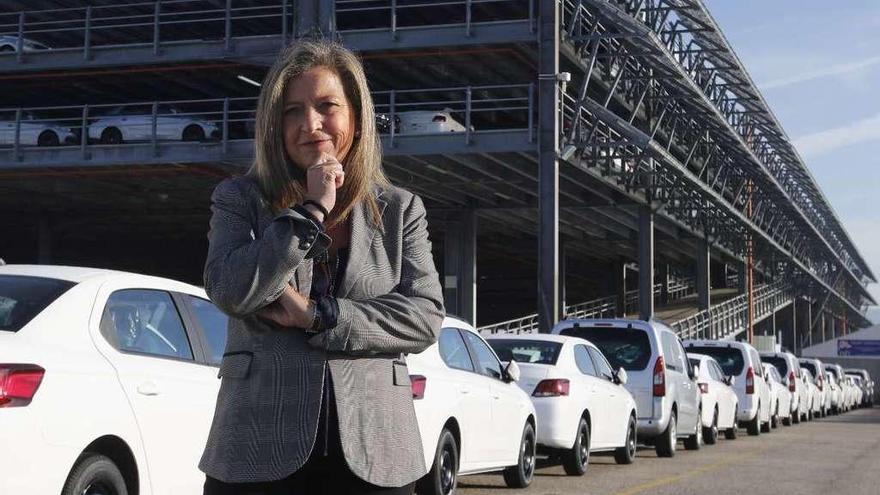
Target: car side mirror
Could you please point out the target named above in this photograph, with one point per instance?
(511, 372)
(620, 376)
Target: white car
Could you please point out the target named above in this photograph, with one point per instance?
(817, 369)
(472, 416)
(135, 123)
(659, 377)
(789, 369)
(34, 131)
(580, 400)
(837, 372)
(833, 394)
(718, 398)
(110, 381)
(428, 122)
(9, 44)
(741, 361)
(781, 395)
(813, 402)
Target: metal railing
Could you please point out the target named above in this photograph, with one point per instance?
(731, 317)
(678, 288)
(464, 110)
(602, 307)
(173, 21)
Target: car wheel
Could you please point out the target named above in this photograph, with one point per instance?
(627, 453)
(443, 476)
(710, 434)
(520, 475)
(666, 443)
(732, 432)
(111, 135)
(753, 427)
(774, 420)
(575, 460)
(48, 138)
(796, 416)
(787, 421)
(94, 474)
(193, 133)
(7, 48)
(695, 441)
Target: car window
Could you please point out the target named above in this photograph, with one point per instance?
(756, 359)
(214, 323)
(583, 361)
(453, 351)
(671, 352)
(22, 298)
(627, 348)
(487, 362)
(729, 358)
(601, 364)
(526, 351)
(146, 321)
(778, 362)
(716, 370)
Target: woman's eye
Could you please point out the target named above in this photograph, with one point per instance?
(293, 111)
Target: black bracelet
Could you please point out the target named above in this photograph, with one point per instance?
(317, 205)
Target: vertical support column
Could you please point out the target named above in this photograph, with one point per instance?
(562, 272)
(741, 279)
(44, 241)
(646, 263)
(664, 283)
(460, 267)
(703, 274)
(809, 323)
(313, 16)
(548, 166)
(619, 284)
(795, 342)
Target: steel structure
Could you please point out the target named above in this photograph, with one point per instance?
(598, 134)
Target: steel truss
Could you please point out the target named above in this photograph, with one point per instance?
(663, 110)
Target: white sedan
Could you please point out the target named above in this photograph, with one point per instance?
(718, 398)
(781, 397)
(34, 130)
(109, 381)
(581, 402)
(135, 123)
(472, 416)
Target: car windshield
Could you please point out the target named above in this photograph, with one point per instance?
(779, 363)
(526, 351)
(626, 348)
(730, 359)
(22, 298)
(810, 366)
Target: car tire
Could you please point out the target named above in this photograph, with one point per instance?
(666, 442)
(111, 135)
(695, 441)
(94, 473)
(774, 420)
(48, 138)
(710, 434)
(796, 416)
(520, 475)
(193, 133)
(576, 459)
(443, 476)
(627, 453)
(787, 421)
(732, 432)
(753, 427)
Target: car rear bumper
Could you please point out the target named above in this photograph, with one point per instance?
(29, 464)
(747, 409)
(652, 426)
(558, 425)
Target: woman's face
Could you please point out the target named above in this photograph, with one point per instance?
(318, 118)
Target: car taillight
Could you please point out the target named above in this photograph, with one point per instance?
(791, 381)
(704, 388)
(439, 118)
(819, 383)
(19, 383)
(659, 377)
(418, 386)
(551, 388)
(750, 381)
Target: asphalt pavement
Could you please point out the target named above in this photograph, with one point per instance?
(834, 455)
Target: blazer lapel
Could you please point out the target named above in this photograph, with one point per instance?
(362, 232)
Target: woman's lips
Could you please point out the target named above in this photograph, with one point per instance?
(316, 143)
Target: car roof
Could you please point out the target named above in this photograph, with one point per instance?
(697, 355)
(75, 274)
(547, 337)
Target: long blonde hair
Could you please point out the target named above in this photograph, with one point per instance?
(281, 180)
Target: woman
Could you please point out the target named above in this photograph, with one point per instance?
(327, 274)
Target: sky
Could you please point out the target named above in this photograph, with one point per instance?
(817, 63)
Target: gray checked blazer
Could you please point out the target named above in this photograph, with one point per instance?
(390, 304)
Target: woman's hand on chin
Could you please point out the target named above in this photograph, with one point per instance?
(323, 178)
(290, 310)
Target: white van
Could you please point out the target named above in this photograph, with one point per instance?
(660, 377)
(741, 361)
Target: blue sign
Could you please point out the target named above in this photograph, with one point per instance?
(847, 347)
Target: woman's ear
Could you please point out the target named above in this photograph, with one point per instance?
(357, 133)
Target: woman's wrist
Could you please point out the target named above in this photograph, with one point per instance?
(315, 211)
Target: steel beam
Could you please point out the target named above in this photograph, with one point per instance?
(703, 272)
(646, 263)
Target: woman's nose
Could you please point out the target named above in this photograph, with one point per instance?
(314, 121)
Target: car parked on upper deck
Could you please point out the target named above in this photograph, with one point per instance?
(127, 123)
(34, 130)
(660, 378)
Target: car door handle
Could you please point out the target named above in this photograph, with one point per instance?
(148, 388)
(464, 391)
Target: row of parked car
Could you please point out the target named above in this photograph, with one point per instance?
(131, 360)
(134, 123)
